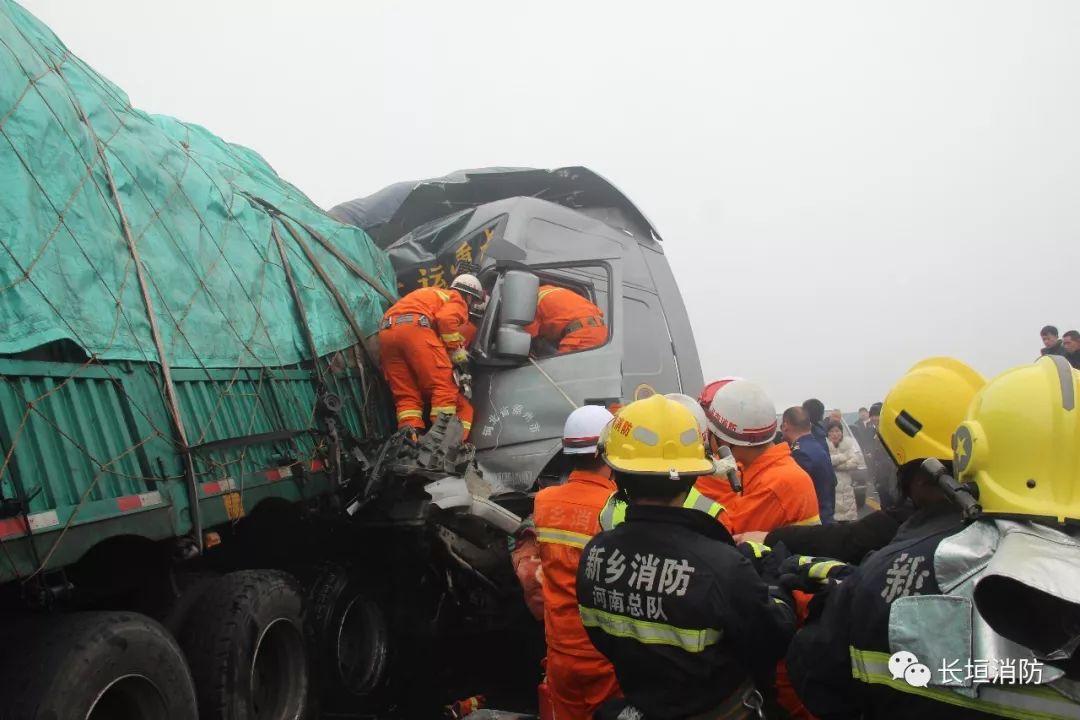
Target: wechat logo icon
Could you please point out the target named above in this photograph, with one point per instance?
(903, 665)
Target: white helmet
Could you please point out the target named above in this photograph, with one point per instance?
(582, 429)
(693, 406)
(742, 414)
(469, 285)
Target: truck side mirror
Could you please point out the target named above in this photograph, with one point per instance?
(520, 291)
(517, 307)
(512, 342)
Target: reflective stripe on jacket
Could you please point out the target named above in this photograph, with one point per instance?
(685, 619)
(565, 518)
(839, 662)
(614, 510)
(557, 307)
(445, 309)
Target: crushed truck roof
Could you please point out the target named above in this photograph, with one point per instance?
(402, 207)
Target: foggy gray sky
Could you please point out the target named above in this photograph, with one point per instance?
(843, 188)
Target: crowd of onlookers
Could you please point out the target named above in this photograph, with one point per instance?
(1067, 345)
(854, 461)
(844, 460)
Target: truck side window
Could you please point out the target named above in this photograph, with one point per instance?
(565, 324)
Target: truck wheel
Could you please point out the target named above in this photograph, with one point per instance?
(188, 589)
(96, 666)
(245, 642)
(350, 633)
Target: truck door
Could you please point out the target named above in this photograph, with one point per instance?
(676, 320)
(649, 363)
(522, 403)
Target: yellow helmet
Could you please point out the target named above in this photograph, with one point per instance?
(923, 409)
(655, 436)
(1020, 443)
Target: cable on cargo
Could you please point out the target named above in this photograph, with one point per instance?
(301, 311)
(368, 365)
(342, 305)
(203, 404)
(186, 147)
(221, 255)
(82, 501)
(347, 262)
(31, 404)
(166, 371)
(169, 386)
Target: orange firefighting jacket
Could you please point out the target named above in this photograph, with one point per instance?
(445, 309)
(776, 492)
(468, 331)
(556, 308)
(567, 517)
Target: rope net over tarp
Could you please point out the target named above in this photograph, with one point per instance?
(218, 289)
(126, 236)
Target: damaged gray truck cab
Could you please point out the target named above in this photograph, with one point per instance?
(567, 226)
(522, 402)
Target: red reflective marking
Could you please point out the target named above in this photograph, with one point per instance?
(129, 502)
(11, 527)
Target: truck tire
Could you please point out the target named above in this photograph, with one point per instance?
(170, 600)
(188, 588)
(244, 640)
(96, 666)
(350, 634)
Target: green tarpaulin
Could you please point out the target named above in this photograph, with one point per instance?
(195, 208)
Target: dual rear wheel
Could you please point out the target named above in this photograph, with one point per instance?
(243, 650)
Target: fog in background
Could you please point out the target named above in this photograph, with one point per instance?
(843, 188)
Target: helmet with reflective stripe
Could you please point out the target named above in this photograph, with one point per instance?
(1020, 443)
(923, 409)
(740, 413)
(709, 391)
(581, 432)
(655, 436)
(692, 405)
(468, 284)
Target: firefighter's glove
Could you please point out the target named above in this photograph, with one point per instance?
(759, 555)
(459, 357)
(782, 596)
(812, 574)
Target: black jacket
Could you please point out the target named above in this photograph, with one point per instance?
(855, 620)
(681, 614)
(863, 434)
(1057, 348)
(849, 542)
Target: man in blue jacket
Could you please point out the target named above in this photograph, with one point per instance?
(815, 411)
(813, 457)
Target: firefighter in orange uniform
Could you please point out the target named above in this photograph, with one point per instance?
(567, 320)
(420, 342)
(776, 491)
(579, 678)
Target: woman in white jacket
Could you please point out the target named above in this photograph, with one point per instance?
(844, 460)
